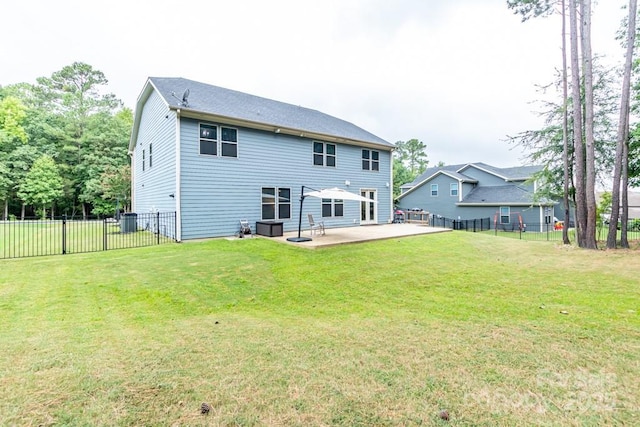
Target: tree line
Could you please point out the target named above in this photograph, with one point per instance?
(588, 136)
(63, 146)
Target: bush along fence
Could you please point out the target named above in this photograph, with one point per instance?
(65, 235)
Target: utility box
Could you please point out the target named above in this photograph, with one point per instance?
(129, 222)
(269, 228)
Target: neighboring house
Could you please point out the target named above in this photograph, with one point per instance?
(478, 190)
(216, 156)
(633, 200)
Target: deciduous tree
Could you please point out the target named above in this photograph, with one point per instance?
(42, 185)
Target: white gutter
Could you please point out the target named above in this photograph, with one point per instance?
(178, 192)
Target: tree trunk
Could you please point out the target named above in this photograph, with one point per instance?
(590, 159)
(6, 209)
(578, 147)
(22, 212)
(565, 130)
(624, 242)
(623, 137)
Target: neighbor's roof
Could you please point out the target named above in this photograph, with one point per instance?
(509, 194)
(518, 173)
(242, 109)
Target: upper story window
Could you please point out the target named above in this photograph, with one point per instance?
(276, 203)
(332, 207)
(324, 154)
(370, 160)
(453, 189)
(434, 190)
(143, 160)
(222, 141)
(150, 154)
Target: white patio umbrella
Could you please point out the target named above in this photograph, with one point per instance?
(338, 194)
(329, 193)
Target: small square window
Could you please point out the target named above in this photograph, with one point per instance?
(324, 154)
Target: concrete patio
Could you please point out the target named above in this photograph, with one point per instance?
(364, 233)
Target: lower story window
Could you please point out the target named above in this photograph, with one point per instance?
(505, 215)
(276, 203)
(332, 207)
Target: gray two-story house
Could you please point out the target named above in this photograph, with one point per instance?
(478, 190)
(216, 156)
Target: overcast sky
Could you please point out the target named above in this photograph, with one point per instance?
(459, 75)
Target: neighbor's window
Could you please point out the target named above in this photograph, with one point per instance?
(453, 189)
(332, 207)
(434, 190)
(370, 160)
(324, 154)
(505, 215)
(143, 160)
(276, 200)
(150, 152)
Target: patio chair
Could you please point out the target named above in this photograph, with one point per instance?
(245, 229)
(316, 227)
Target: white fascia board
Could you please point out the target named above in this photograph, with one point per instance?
(232, 121)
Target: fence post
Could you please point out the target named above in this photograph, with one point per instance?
(158, 226)
(104, 234)
(64, 234)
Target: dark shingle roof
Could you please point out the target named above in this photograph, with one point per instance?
(501, 194)
(450, 169)
(209, 99)
(512, 173)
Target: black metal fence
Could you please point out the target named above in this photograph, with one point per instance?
(65, 235)
(473, 225)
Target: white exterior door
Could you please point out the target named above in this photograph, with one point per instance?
(368, 211)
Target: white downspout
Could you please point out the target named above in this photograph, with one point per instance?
(392, 212)
(132, 157)
(178, 194)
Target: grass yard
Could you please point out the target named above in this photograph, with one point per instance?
(389, 333)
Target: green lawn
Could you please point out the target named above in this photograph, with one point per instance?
(496, 331)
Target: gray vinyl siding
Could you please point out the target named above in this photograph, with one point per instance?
(219, 191)
(487, 179)
(443, 204)
(154, 185)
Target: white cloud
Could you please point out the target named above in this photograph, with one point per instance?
(458, 75)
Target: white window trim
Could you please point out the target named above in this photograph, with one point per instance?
(508, 214)
(370, 160)
(324, 154)
(219, 141)
(277, 203)
(437, 190)
(333, 204)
